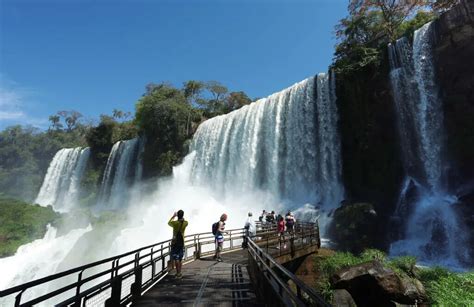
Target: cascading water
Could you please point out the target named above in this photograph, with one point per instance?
(280, 150)
(119, 171)
(432, 230)
(286, 144)
(61, 185)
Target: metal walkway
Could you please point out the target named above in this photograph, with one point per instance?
(142, 277)
(206, 282)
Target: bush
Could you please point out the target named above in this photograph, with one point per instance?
(21, 223)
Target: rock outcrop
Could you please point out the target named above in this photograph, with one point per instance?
(372, 284)
(354, 227)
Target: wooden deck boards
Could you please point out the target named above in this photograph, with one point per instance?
(206, 282)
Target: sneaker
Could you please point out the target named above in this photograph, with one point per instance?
(219, 259)
(178, 276)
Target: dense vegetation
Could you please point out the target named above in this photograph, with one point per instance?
(21, 223)
(25, 153)
(372, 24)
(166, 115)
(444, 288)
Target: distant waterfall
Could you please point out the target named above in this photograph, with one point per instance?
(432, 230)
(286, 144)
(61, 185)
(123, 169)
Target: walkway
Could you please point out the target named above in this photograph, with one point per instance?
(206, 282)
(140, 277)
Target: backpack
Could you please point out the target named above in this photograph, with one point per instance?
(178, 241)
(215, 227)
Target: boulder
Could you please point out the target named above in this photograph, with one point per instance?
(372, 284)
(353, 227)
(342, 298)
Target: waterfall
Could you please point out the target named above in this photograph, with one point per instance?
(61, 185)
(119, 171)
(432, 230)
(286, 144)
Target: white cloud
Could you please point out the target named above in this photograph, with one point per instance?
(11, 115)
(13, 100)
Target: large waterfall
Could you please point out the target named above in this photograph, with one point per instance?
(286, 144)
(123, 170)
(277, 153)
(432, 231)
(61, 185)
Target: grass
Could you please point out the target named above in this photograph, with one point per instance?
(445, 288)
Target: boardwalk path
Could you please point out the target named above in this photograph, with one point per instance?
(206, 282)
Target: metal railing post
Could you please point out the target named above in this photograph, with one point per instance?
(77, 302)
(116, 286)
(18, 298)
(136, 288)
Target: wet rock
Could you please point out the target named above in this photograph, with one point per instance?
(342, 298)
(372, 284)
(353, 227)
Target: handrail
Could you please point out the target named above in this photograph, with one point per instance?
(152, 255)
(268, 265)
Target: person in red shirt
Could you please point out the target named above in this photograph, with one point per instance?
(281, 230)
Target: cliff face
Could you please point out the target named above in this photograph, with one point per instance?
(372, 166)
(371, 151)
(455, 73)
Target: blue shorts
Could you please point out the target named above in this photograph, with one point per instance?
(177, 252)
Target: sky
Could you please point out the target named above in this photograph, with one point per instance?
(96, 56)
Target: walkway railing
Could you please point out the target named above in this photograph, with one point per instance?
(119, 280)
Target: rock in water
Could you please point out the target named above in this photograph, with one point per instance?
(372, 284)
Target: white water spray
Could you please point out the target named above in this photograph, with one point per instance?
(37, 259)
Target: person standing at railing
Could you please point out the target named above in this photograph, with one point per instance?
(177, 242)
(250, 230)
(290, 222)
(219, 236)
(281, 231)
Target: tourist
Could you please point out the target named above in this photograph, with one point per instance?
(219, 236)
(290, 222)
(270, 218)
(262, 217)
(177, 242)
(249, 230)
(281, 231)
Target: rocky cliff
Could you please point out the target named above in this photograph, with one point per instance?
(372, 166)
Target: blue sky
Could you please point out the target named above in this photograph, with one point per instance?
(94, 56)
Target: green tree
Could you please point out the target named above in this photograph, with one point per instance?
(192, 90)
(236, 100)
(55, 122)
(163, 118)
(393, 12)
